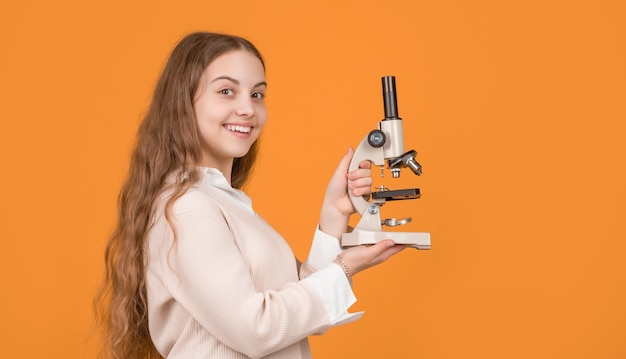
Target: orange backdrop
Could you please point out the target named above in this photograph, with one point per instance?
(517, 111)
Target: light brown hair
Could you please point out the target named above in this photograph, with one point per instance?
(167, 146)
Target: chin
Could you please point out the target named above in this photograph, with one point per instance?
(240, 150)
(239, 154)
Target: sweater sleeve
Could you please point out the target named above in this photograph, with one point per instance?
(206, 274)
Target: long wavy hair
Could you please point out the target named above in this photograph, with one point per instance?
(167, 146)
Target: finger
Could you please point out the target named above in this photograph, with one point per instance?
(358, 173)
(360, 182)
(360, 187)
(393, 250)
(361, 191)
(379, 248)
(365, 164)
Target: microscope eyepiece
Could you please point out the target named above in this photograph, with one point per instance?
(389, 98)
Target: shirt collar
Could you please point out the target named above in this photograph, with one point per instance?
(215, 178)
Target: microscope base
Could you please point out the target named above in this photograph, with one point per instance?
(418, 240)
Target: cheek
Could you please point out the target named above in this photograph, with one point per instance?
(261, 114)
(209, 114)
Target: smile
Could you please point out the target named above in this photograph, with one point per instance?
(236, 128)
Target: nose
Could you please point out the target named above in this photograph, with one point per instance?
(245, 107)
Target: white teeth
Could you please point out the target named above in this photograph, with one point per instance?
(235, 128)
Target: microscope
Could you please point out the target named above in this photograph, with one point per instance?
(385, 144)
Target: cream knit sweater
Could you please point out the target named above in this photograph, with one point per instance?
(229, 287)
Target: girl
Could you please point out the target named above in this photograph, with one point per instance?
(191, 270)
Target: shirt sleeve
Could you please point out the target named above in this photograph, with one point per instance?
(333, 287)
(330, 281)
(324, 249)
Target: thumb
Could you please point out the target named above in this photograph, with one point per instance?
(360, 258)
(344, 165)
(379, 248)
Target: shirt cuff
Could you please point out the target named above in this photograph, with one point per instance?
(333, 287)
(324, 249)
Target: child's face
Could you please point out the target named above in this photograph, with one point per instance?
(230, 107)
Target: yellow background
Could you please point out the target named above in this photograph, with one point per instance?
(517, 111)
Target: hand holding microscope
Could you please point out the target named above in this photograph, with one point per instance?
(385, 145)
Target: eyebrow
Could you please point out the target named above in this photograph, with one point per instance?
(262, 83)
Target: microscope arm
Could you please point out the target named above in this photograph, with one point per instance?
(364, 152)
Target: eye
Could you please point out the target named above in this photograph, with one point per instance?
(227, 92)
(258, 95)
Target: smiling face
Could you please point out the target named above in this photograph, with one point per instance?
(230, 108)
